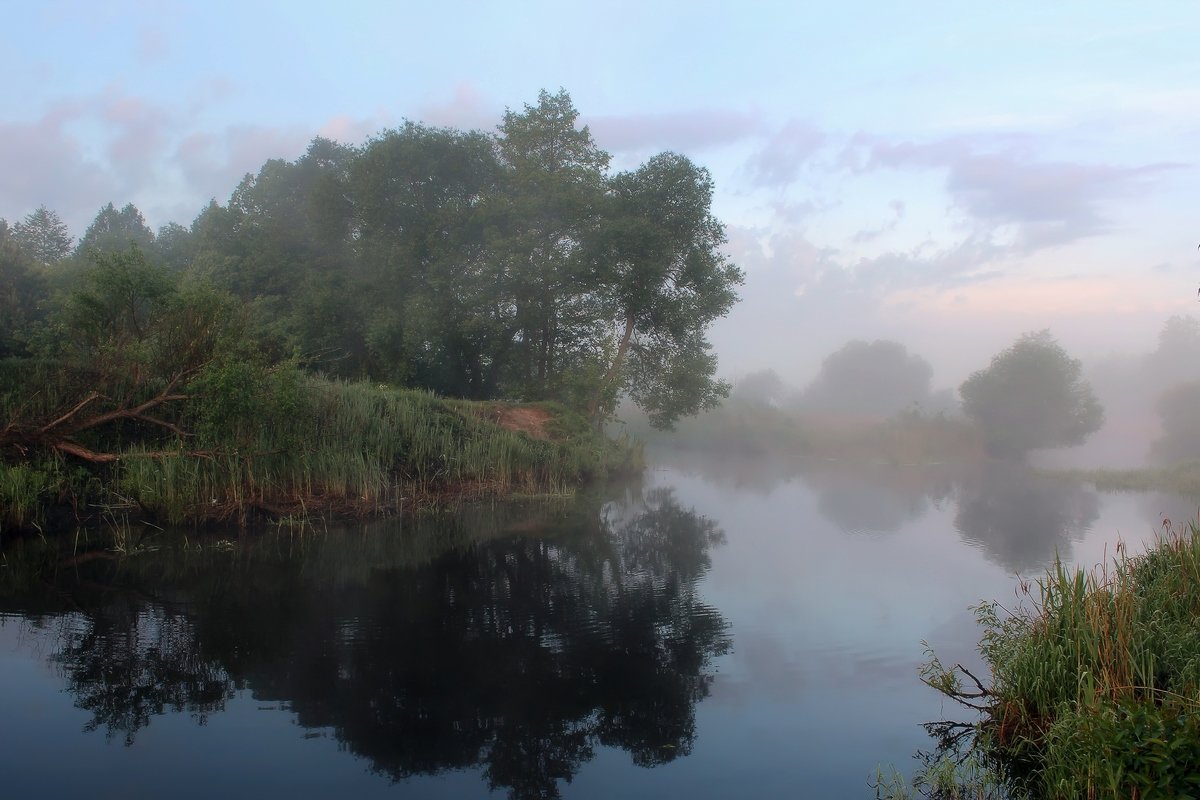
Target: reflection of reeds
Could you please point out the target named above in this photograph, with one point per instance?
(1181, 479)
(1096, 683)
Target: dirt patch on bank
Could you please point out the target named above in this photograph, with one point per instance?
(523, 419)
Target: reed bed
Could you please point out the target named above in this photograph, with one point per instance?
(1096, 683)
(363, 449)
(331, 447)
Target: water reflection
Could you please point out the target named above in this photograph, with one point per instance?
(1020, 519)
(517, 645)
(879, 499)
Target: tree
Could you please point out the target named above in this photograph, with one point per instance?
(1032, 396)
(1179, 414)
(874, 378)
(115, 231)
(440, 310)
(121, 350)
(550, 202)
(43, 236)
(22, 290)
(665, 280)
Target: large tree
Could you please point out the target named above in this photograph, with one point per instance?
(439, 307)
(552, 193)
(873, 378)
(114, 231)
(664, 280)
(1032, 395)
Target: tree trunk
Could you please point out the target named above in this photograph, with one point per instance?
(614, 369)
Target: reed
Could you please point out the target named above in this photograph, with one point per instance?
(1096, 682)
(353, 447)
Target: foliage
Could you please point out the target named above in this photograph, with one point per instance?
(115, 231)
(1032, 395)
(43, 236)
(1096, 686)
(1179, 415)
(666, 281)
(878, 378)
(22, 293)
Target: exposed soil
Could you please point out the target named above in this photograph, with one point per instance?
(523, 419)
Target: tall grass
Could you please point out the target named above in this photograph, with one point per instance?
(1096, 684)
(359, 448)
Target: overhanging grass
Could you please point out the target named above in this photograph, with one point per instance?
(1096, 685)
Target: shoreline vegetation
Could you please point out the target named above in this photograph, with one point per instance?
(318, 447)
(1094, 690)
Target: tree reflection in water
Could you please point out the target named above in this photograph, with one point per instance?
(517, 648)
(1022, 520)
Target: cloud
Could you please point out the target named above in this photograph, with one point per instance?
(153, 45)
(683, 131)
(779, 162)
(1010, 194)
(44, 163)
(870, 234)
(214, 163)
(353, 131)
(467, 109)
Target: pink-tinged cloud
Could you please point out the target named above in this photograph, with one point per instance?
(870, 234)
(213, 164)
(140, 133)
(781, 159)
(1046, 298)
(683, 131)
(996, 182)
(466, 109)
(43, 163)
(352, 131)
(153, 45)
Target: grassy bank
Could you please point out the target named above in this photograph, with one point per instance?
(1095, 688)
(284, 443)
(1183, 479)
(757, 429)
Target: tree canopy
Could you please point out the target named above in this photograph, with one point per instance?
(510, 264)
(873, 378)
(1032, 395)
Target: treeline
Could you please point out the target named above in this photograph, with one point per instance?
(198, 371)
(475, 265)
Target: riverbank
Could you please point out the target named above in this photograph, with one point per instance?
(1095, 684)
(304, 446)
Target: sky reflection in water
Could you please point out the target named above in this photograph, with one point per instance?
(725, 628)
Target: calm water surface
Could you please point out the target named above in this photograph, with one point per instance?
(722, 629)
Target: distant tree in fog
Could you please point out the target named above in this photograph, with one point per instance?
(1179, 412)
(1177, 357)
(878, 378)
(1032, 396)
(764, 387)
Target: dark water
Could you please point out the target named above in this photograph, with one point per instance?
(722, 629)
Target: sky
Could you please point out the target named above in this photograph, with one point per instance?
(948, 175)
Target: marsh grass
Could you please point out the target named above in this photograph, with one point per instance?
(1181, 479)
(1096, 682)
(309, 446)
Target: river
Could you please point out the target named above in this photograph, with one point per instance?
(721, 628)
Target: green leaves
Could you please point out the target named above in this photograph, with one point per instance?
(1033, 395)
